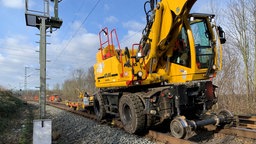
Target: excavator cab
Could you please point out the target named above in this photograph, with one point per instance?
(207, 41)
(195, 54)
(203, 45)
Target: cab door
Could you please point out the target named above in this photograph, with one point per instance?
(181, 60)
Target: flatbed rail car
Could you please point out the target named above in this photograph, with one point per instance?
(54, 98)
(85, 101)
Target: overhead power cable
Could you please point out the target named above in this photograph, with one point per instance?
(74, 18)
(94, 7)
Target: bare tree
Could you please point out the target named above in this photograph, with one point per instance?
(252, 20)
(238, 75)
(90, 80)
(238, 31)
(216, 10)
(69, 90)
(227, 77)
(80, 81)
(79, 77)
(57, 89)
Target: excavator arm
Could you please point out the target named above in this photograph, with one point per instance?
(162, 29)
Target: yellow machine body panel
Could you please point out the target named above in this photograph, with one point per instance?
(111, 72)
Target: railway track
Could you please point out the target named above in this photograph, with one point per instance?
(244, 126)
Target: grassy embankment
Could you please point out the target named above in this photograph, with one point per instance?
(15, 119)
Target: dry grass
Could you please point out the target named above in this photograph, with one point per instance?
(237, 104)
(15, 119)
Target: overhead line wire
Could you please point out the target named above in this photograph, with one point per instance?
(78, 10)
(94, 7)
(122, 41)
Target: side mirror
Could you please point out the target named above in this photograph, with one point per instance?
(221, 35)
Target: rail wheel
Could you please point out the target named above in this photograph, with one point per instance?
(131, 113)
(228, 118)
(98, 106)
(179, 127)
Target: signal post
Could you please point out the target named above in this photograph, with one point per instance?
(42, 21)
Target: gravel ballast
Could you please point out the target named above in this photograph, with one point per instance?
(68, 128)
(71, 128)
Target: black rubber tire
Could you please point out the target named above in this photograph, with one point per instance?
(98, 106)
(132, 115)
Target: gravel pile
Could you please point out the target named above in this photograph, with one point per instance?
(70, 128)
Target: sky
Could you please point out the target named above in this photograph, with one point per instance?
(71, 47)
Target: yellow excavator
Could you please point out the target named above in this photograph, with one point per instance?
(167, 76)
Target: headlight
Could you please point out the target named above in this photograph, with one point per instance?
(140, 73)
(214, 67)
(139, 55)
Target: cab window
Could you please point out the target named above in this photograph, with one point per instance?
(204, 50)
(181, 52)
